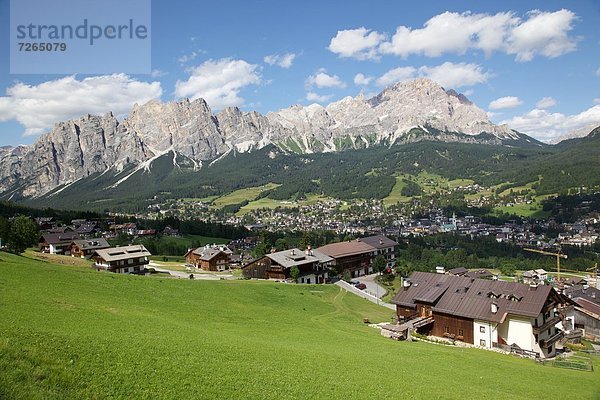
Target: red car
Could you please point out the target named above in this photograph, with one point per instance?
(360, 286)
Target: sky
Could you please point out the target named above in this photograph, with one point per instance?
(534, 65)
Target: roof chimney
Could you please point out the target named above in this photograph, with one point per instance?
(494, 308)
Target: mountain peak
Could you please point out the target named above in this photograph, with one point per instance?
(78, 148)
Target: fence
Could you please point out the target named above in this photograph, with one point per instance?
(572, 362)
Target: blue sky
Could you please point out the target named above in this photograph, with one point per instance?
(534, 65)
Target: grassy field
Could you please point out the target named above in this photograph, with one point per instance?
(242, 194)
(428, 182)
(395, 196)
(69, 332)
(266, 202)
(190, 240)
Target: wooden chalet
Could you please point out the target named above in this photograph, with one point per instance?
(521, 318)
(122, 260)
(57, 243)
(312, 264)
(353, 257)
(383, 246)
(587, 309)
(356, 256)
(84, 248)
(209, 258)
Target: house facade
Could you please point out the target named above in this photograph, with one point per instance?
(384, 247)
(356, 256)
(312, 265)
(57, 243)
(121, 260)
(209, 258)
(517, 317)
(84, 248)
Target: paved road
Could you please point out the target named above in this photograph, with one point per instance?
(372, 287)
(349, 288)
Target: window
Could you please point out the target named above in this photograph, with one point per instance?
(549, 331)
(460, 332)
(446, 329)
(549, 349)
(482, 342)
(482, 329)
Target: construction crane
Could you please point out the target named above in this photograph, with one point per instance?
(547, 253)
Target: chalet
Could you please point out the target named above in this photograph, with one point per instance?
(353, 257)
(121, 260)
(312, 264)
(459, 271)
(356, 256)
(84, 248)
(535, 276)
(45, 223)
(57, 243)
(209, 258)
(587, 309)
(383, 246)
(170, 231)
(486, 313)
(87, 228)
(480, 274)
(128, 228)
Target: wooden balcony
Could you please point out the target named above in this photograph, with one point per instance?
(549, 323)
(548, 342)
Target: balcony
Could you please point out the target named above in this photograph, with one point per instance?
(548, 342)
(549, 323)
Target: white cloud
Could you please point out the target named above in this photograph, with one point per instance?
(449, 75)
(157, 73)
(597, 100)
(362, 80)
(598, 72)
(186, 58)
(505, 102)
(396, 75)
(219, 82)
(545, 102)
(543, 33)
(39, 107)
(323, 80)
(282, 60)
(312, 96)
(360, 43)
(547, 126)
(469, 92)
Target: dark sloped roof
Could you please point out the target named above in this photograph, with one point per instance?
(60, 238)
(590, 293)
(379, 241)
(458, 271)
(345, 249)
(472, 298)
(92, 244)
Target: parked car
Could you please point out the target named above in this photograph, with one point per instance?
(360, 286)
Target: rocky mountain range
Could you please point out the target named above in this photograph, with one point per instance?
(403, 113)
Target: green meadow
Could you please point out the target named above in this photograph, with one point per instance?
(68, 332)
